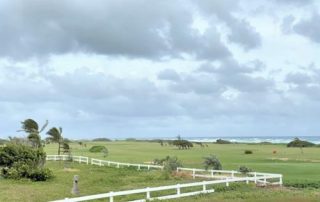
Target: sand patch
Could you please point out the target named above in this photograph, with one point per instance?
(303, 160)
(71, 170)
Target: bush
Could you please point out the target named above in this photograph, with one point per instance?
(41, 174)
(300, 143)
(20, 161)
(97, 148)
(170, 163)
(212, 162)
(221, 141)
(244, 170)
(248, 152)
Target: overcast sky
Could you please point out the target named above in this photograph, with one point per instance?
(150, 68)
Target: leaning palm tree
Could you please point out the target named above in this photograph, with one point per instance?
(55, 135)
(32, 128)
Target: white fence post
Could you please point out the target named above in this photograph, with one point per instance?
(247, 180)
(227, 182)
(148, 193)
(211, 173)
(204, 187)
(232, 174)
(111, 196)
(178, 190)
(148, 167)
(255, 177)
(193, 173)
(280, 180)
(265, 180)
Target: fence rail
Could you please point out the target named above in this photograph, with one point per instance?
(80, 159)
(224, 177)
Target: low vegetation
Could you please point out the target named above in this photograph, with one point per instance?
(97, 148)
(300, 143)
(221, 141)
(212, 162)
(22, 161)
(248, 151)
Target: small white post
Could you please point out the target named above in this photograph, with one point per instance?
(280, 180)
(87, 160)
(193, 173)
(204, 187)
(227, 182)
(100, 163)
(118, 165)
(255, 177)
(111, 196)
(247, 180)
(232, 174)
(178, 190)
(148, 193)
(139, 167)
(109, 163)
(148, 167)
(265, 180)
(211, 173)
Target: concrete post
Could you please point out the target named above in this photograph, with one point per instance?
(75, 188)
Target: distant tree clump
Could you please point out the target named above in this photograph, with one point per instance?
(182, 144)
(300, 143)
(212, 162)
(221, 141)
(102, 139)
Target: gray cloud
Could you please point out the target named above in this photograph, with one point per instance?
(309, 28)
(126, 28)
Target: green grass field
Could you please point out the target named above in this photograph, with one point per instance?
(290, 162)
(295, 166)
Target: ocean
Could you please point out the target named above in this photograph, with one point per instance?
(272, 139)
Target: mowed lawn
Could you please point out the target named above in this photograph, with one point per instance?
(291, 162)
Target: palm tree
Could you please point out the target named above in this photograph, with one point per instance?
(32, 128)
(55, 135)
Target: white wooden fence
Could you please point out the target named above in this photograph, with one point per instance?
(221, 176)
(257, 177)
(118, 164)
(80, 159)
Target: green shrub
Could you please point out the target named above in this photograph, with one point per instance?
(97, 148)
(212, 162)
(20, 161)
(41, 174)
(300, 143)
(248, 152)
(244, 169)
(221, 141)
(302, 184)
(170, 164)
